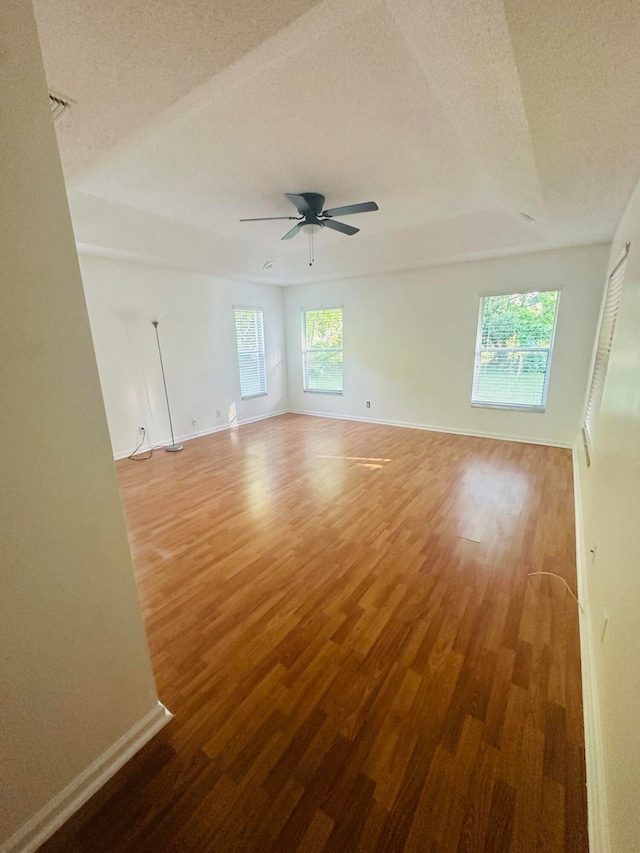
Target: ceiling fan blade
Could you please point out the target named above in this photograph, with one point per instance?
(364, 207)
(264, 218)
(307, 202)
(339, 226)
(293, 232)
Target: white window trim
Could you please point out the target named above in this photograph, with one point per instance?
(515, 407)
(261, 352)
(303, 312)
(601, 354)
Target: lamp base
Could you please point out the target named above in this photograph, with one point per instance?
(173, 448)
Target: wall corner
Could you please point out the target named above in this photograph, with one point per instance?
(594, 752)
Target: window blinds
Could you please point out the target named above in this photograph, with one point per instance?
(251, 357)
(603, 351)
(322, 350)
(513, 349)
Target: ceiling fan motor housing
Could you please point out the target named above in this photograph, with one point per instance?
(315, 201)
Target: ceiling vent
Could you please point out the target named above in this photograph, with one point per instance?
(59, 106)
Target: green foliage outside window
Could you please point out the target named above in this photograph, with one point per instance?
(322, 349)
(512, 359)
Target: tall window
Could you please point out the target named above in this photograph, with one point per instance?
(603, 350)
(513, 350)
(322, 350)
(251, 360)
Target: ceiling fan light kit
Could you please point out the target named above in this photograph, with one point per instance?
(312, 216)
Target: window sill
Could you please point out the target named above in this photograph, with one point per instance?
(320, 391)
(512, 407)
(251, 396)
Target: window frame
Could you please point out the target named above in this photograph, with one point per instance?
(479, 349)
(260, 349)
(305, 350)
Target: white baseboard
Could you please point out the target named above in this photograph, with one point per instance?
(522, 439)
(50, 818)
(519, 438)
(594, 755)
(430, 428)
(191, 435)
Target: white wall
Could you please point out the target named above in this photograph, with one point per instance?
(409, 341)
(409, 345)
(610, 491)
(75, 674)
(197, 335)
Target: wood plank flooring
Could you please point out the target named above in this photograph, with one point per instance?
(340, 619)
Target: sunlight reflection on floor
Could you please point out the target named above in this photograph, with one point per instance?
(370, 462)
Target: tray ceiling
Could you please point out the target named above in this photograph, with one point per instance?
(455, 117)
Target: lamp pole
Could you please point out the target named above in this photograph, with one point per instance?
(173, 447)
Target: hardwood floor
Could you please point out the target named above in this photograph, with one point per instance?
(340, 619)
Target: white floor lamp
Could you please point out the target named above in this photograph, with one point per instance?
(173, 447)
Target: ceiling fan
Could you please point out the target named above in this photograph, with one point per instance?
(312, 216)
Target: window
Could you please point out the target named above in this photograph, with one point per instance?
(322, 350)
(603, 350)
(513, 350)
(251, 360)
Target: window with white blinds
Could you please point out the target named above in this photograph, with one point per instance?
(513, 350)
(322, 350)
(603, 350)
(251, 357)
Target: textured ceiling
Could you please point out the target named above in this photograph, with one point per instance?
(454, 116)
(123, 61)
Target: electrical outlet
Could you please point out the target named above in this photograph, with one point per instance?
(605, 622)
(218, 413)
(141, 430)
(593, 551)
(194, 422)
(368, 405)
